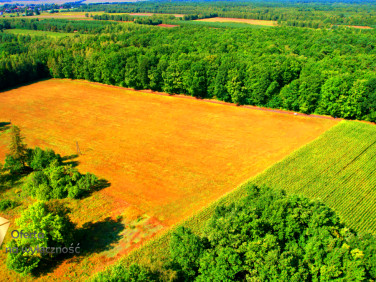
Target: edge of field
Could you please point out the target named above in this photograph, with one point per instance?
(214, 101)
(240, 20)
(17, 31)
(153, 252)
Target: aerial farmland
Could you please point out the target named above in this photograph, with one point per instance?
(187, 141)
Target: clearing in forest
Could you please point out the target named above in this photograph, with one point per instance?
(38, 32)
(236, 20)
(339, 168)
(166, 157)
(168, 25)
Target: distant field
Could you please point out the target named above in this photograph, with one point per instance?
(234, 20)
(218, 24)
(64, 15)
(38, 32)
(165, 157)
(339, 168)
(360, 26)
(168, 25)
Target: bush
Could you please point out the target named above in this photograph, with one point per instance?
(36, 159)
(39, 159)
(58, 182)
(134, 273)
(53, 222)
(7, 204)
(13, 165)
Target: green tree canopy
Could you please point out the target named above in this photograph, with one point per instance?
(16, 160)
(271, 236)
(52, 221)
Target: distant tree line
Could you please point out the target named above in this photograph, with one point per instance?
(200, 16)
(329, 72)
(109, 17)
(58, 25)
(287, 12)
(148, 20)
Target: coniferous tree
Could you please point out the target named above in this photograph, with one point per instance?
(16, 160)
(17, 146)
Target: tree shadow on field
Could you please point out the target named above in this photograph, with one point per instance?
(93, 237)
(101, 184)
(8, 181)
(99, 236)
(26, 83)
(4, 126)
(69, 160)
(66, 158)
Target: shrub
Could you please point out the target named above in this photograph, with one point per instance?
(134, 273)
(39, 159)
(58, 182)
(53, 222)
(7, 204)
(13, 165)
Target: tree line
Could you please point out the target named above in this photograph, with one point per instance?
(151, 19)
(314, 14)
(328, 72)
(57, 25)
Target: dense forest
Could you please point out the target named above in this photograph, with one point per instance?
(329, 72)
(266, 236)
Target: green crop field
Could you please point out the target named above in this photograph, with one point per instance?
(338, 168)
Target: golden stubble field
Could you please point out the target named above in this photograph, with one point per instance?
(165, 156)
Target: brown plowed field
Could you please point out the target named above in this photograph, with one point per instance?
(165, 157)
